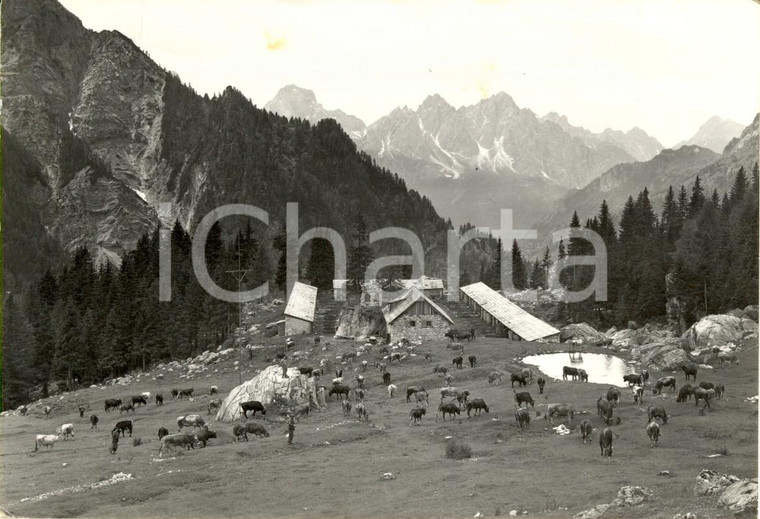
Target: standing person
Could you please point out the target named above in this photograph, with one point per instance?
(284, 366)
(115, 440)
(291, 429)
(472, 332)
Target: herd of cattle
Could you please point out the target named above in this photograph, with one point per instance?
(453, 402)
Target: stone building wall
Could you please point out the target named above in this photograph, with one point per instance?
(430, 327)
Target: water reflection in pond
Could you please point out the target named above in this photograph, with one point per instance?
(601, 369)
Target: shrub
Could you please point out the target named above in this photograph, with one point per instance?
(458, 450)
(136, 441)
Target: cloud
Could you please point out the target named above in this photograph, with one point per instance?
(275, 42)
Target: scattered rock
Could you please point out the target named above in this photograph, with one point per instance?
(592, 513)
(717, 330)
(664, 473)
(631, 496)
(740, 497)
(710, 482)
(388, 475)
(582, 332)
(664, 356)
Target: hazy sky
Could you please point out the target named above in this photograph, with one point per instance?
(663, 65)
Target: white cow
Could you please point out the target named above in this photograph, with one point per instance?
(66, 430)
(146, 395)
(191, 420)
(47, 440)
(392, 390)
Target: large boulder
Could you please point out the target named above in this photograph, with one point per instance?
(750, 312)
(717, 330)
(710, 482)
(360, 322)
(627, 338)
(740, 497)
(631, 496)
(265, 387)
(582, 332)
(664, 356)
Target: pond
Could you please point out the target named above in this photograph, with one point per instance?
(601, 369)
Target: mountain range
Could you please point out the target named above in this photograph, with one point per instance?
(101, 135)
(714, 134)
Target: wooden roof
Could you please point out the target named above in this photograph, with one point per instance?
(302, 302)
(400, 305)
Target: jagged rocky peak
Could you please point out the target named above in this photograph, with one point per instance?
(714, 134)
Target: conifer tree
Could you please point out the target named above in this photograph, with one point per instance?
(519, 275)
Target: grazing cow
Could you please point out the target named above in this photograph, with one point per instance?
(252, 405)
(214, 390)
(386, 378)
(45, 440)
(706, 385)
(381, 367)
(613, 395)
(361, 412)
(255, 428)
(392, 390)
(719, 390)
(411, 390)
(82, 409)
(175, 393)
(428, 357)
(703, 394)
(604, 408)
(159, 399)
(727, 357)
(653, 431)
(476, 405)
(657, 411)
(306, 370)
(448, 379)
(339, 373)
(415, 416)
(360, 381)
(605, 442)
(663, 383)
(146, 395)
(541, 383)
(124, 425)
(112, 403)
(162, 431)
(346, 405)
(472, 360)
(127, 407)
(177, 440)
(441, 370)
(568, 371)
(690, 370)
(493, 377)
(421, 398)
(185, 392)
(66, 430)
(527, 374)
(524, 397)
(559, 410)
(450, 392)
(203, 435)
(93, 421)
(302, 411)
(339, 390)
(47, 410)
(338, 380)
(190, 420)
(645, 375)
(239, 432)
(522, 416)
(348, 356)
(316, 373)
(685, 393)
(638, 394)
(450, 408)
(359, 394)
(634, 379)
(364, 365)
(519, 378)
(214, 404)
(586, 431)
(139, 400)
(457, 361)
(583, 375)
(395, 357)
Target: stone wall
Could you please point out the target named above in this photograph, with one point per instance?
(421, 330)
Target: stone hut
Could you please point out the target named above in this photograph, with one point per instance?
(416, 317)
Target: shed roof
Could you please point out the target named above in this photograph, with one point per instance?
(423, 283)
(302, 302)
(402, 304)
(527, 326)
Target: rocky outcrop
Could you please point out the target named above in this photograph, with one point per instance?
(629, 338)
(582, 332)
(627, 496)
(265, 387)
(710, 483)
(360, 322)
(740, 497)
(717, 330)
(665, 356)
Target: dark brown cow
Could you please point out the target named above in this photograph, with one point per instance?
(690, 370)
(605, 442)
(586, 431)
(569, 371)
(524, 397)
(457, 361)
(685, 393)
(663, 383)
(473, 360)
(541, 383)
(604, 408)
(657, 411)
(339, 390)
(522, 416)
(476, 405)
(519, 378)
(450, 408)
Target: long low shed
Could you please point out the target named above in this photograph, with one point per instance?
(512, 321)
